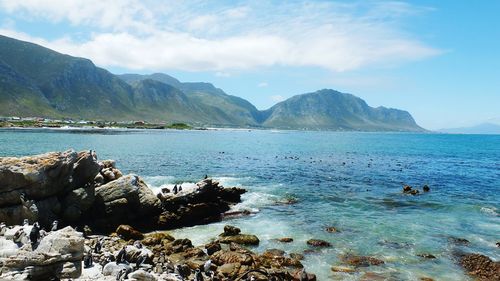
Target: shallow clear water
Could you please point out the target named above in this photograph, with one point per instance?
(351, 181)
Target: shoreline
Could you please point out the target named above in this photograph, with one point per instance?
(185, 206)
(119, 209)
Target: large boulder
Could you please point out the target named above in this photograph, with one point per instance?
(58, 255)
(85, 168)
(12, 215)
(191, 214)
(34, 187)
(38, 176)
(125, 200)
(77, 202)
(242, 239)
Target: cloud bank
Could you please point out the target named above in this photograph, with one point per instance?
(211, 36)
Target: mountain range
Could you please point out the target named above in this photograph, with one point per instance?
(483, 128)
(37, 81)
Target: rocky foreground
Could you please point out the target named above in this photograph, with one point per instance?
(66, 215)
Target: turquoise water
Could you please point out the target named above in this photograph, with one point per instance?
(351, 181)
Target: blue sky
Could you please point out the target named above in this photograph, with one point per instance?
(437, 59)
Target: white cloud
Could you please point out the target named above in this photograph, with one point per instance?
(205, 36)
(277, 98)
(262, 84)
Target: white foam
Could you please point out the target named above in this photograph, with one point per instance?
(155, 182)
(492, 211)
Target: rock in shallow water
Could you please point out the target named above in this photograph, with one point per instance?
(243, 239)
(318, 243)
(230, 230)
(480, 266)
(360, 261)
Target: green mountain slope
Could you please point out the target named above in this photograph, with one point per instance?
(20, 96)
(332, 110)
(217, 107)
(36, 81)
(73, 87)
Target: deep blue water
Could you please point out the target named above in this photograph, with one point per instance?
(351, 181)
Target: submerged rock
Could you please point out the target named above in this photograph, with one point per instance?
(318, 243)
(360, 261)
(297, 256)
(343, 269)
(285, 240)
(407, 189)
(458, 241)
(331, 229)
(426, 256)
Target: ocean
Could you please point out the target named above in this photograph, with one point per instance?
(349, 180)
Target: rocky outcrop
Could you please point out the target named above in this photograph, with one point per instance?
(127, 199)
(59, 254)
(481, 267)
(203, 203)
(47, 187)
(75, 189)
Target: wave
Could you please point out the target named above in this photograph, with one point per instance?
(492, 211)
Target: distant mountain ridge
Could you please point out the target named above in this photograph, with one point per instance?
(483, 128)
(36, 81)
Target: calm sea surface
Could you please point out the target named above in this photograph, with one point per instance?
(351, 181)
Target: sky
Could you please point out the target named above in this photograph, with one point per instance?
(439, 60)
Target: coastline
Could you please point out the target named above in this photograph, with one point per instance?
(244, 223)
(107, 210)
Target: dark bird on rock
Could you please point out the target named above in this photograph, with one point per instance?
(121, 256)
(198, 276)
(98, 246)
(34, 234)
